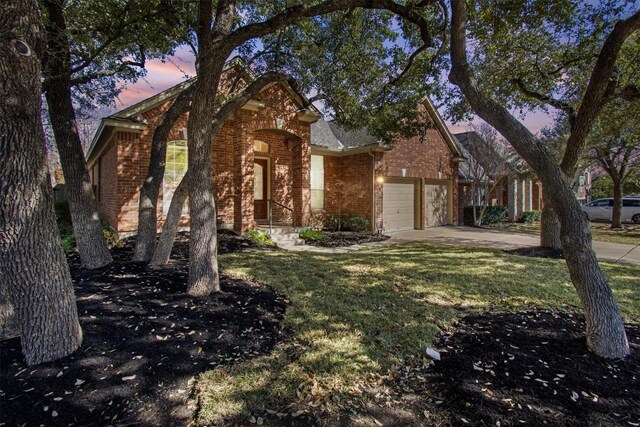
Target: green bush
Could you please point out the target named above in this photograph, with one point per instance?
(63, 217)
(112, 238)
(332, 223)
(492, 214)
(355, 223)
(311, 234)
(260, 238)
(530, 216)
(346, 223)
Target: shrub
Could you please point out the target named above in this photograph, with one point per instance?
(311, 234)
(260, 238)
(332, 223)
(492, 214)
(530, 216)
(355, 223)
(63, 217)
(346, 223)
(112, 238)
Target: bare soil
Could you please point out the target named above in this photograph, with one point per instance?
(510, 369)
(334, 239)
(145, 340)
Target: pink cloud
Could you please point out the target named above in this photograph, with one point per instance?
(161, 75)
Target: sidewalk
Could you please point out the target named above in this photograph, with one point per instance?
(484, 238)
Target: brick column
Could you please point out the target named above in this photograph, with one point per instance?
(243, 177)
(301, 185)
(528, 201)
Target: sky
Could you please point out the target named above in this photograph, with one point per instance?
(162, 75)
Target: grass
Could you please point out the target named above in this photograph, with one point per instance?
(601, 231)
(357, 314)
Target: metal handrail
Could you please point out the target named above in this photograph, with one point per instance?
(269, 201)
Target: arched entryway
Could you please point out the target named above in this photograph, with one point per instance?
(279, 177)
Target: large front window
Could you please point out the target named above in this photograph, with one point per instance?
(174, 170)
(317, 182)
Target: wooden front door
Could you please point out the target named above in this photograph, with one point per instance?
(260, 188)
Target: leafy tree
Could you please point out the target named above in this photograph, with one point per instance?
(90, 46)
(486, 165)
(615, 147)
(222, 30)
(539, 55)
(605, 329)
(602, 186)
(34, 275)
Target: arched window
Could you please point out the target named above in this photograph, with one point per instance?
(174, 170)
(260, 146)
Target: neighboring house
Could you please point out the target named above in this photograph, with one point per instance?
(275, 154)
(515, 189)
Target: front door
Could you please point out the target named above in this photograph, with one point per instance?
(260, 188)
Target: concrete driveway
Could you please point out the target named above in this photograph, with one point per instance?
(483, 238)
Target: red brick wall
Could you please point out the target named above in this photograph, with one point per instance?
(348, 182)
(232, 159)
(108, 203)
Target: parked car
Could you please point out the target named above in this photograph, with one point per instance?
(602, 209)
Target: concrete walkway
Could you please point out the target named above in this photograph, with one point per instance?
(484, 238)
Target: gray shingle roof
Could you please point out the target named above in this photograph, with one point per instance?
(332, 136)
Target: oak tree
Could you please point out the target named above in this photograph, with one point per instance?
(34, 274)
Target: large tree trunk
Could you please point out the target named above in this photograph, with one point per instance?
(33, 269)
(170, 228)
(549, 225)
(203, 239)
(605, 331)
(85, 218)
(147, 211)
(616, 217)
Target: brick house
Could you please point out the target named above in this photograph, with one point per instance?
(276, 155)
(515, 187)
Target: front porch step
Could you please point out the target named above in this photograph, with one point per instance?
(284, 236)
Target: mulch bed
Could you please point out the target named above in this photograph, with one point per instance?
(145, 340)
(532, 368)
(334, 239)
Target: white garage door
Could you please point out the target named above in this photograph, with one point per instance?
(436, 199)
(398, 206)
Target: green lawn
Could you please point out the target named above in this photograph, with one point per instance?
(629, 233)
(360, 313)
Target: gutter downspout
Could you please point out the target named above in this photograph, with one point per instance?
(373, 190)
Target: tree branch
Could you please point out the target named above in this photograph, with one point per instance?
(294, 13)
(629, 93)
(597, 89)
(555, 103)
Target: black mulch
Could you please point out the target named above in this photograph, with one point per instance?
(531, 368)
(537, 251)
(144, 341)
(334, 239)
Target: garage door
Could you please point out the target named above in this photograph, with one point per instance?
(436, 199)
(398, 206)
